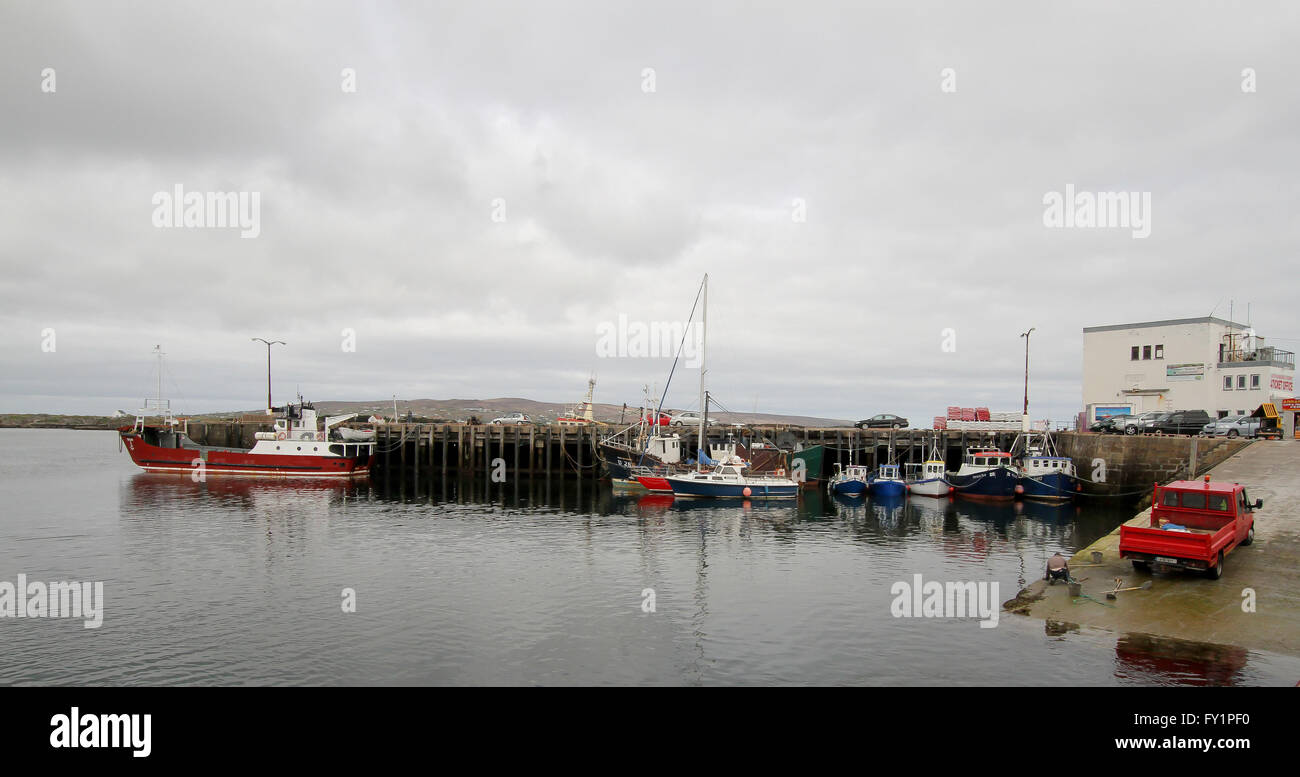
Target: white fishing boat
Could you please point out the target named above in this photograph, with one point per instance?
(928, 478)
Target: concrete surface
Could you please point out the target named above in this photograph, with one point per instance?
(1187, 605)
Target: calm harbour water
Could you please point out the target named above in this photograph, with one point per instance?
(239, 582)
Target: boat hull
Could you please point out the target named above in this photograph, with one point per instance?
(655, 484)
(691, 487)
(186, 460)
(888, 488)
(997, 484)
(931, 487)
(849, 488)
(1053, 487)
(813, 458)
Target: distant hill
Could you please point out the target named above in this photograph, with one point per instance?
(542, 412)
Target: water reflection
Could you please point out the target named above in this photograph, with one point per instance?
(749, 590)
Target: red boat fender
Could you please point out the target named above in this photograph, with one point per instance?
(747, 492)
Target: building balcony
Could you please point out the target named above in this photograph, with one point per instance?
(1267, 356)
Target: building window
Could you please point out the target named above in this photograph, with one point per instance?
(1227, 383)
(1146, 352)
(1223, 413)
(1160, 352)
(1241, 382)
(1254, 381)
(1133, 355)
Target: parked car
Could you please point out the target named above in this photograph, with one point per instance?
(1107, 425)
(1142, 423)
(883, 421)
(513, 418)
(689, 418)
(1101, 424)
(1232, 426)
(664, 419)
(1182, 422)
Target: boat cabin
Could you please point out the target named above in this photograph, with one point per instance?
(1046, 465)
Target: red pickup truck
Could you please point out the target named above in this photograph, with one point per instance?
(1194, 524)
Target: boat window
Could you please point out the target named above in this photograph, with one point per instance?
(1170, 499)
(1194, 500)
(337, 450)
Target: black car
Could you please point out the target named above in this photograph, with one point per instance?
(883, 421)
(1181, 422)
(1107, 423)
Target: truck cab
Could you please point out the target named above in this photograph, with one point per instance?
(1194, 525)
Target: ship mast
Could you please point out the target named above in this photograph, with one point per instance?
(704, 398)
(158, 350)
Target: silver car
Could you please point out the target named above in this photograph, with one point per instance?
(1232, 426)
(1139, 424)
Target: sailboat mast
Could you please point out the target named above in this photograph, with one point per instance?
(704, 401)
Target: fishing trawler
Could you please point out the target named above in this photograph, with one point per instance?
(583, 414)
(728, 479)
(300, 445)
(1043, 473)
(888, 482)
(850, 480)
(929, 478)
(985, 473)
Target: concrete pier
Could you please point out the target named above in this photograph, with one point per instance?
(1192, 607)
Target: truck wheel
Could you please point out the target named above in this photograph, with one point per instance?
(1250, 536)
(1215, 572)
(1141, 566)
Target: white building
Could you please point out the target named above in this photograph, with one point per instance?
(1206, 363)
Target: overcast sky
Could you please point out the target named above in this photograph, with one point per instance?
(923, 206)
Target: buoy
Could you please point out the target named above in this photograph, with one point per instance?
(747, 492)
(1020, 489)
(951, 489)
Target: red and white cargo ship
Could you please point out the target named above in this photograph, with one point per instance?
(301, 446)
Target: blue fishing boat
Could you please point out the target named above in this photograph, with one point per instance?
(985, 473)
(728, 480)
(1044, 474)
(888, 482)
(850, 480)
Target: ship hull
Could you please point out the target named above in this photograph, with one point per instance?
(888, 488)
(931, 487)
(997, 484)
(1053, 487)
(226, 461)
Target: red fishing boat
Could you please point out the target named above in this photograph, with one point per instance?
(300, 446)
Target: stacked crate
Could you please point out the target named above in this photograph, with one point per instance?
(940, 422)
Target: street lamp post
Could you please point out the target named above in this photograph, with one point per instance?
(269, 343)
(1025, 417)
